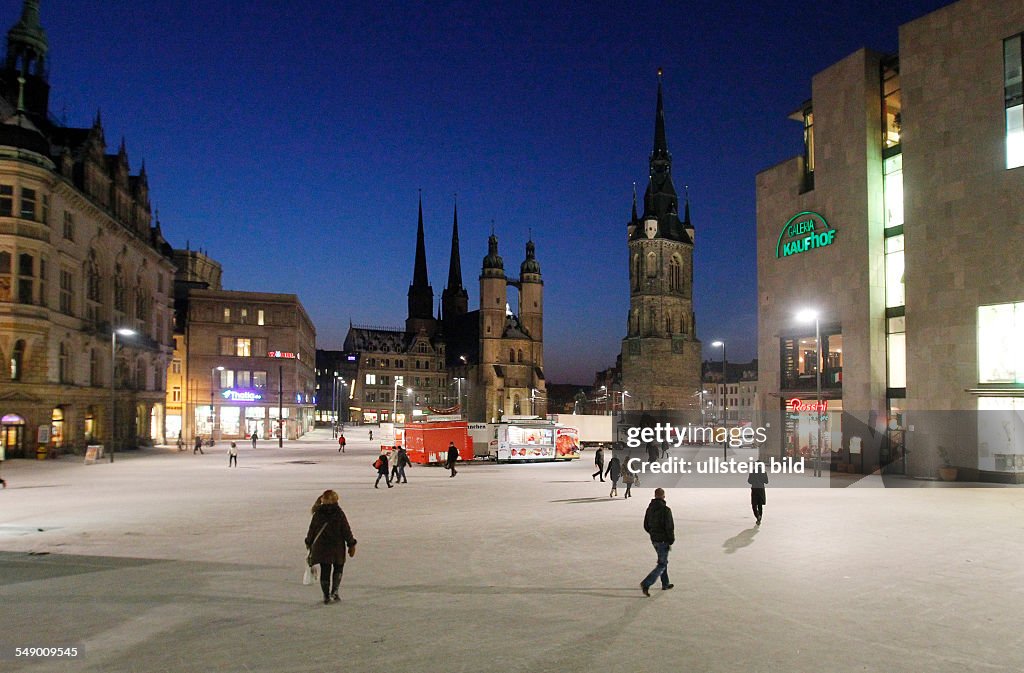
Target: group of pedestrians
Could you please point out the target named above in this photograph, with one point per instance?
(391, 467)
(615, 470)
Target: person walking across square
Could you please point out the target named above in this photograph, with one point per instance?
(233, 455)
(328, 538)
(599, 461)
(614, 469)
(198, 446)
(453, 457)
(254, 438)
(382, 470)
(757, 479)
(341, 443)
(401, 462)
(659, 525)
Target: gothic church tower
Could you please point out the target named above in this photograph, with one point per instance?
(661, 356)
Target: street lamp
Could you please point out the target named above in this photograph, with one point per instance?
(807, 315)
(125, 332)
(725, 399)
(213, 386)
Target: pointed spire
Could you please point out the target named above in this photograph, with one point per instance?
(635, 219)
(660, 142)
(686, 193)
(419, 273)
(27, 39)
(455, 261)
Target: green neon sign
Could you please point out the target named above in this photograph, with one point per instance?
(807, 230)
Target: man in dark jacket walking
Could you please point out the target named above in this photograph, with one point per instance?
(453, 457)
(757, 479)
(659, 525)
(599, 461)
(401, 462)
(198, 446)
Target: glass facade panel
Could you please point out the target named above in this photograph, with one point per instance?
(1001, 343)
(893, 177)
(1015, 136)
(895, 294)
(229, 421)
(897, 360)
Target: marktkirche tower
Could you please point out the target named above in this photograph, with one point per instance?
(661, 356)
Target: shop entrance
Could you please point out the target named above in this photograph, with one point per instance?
(892, 455)
(12, 433)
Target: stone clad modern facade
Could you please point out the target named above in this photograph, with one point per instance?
(912, 167)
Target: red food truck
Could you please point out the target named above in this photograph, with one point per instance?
(427, 442)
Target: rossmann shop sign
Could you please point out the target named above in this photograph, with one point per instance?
(804, 232)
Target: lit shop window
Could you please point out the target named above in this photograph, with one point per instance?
(893, 185)
(1001, 343)
(897, 351)
(1014, 95)
(895, 293)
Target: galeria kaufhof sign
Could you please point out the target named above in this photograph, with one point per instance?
(804, 231)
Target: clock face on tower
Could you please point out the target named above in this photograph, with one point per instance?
(651, 228)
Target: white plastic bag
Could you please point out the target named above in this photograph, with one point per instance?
(309, 576)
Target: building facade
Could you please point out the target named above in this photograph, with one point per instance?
(484, 364)
(249, 366)
(901, 226)
(336, 373)
(661, 356)
(85, 274)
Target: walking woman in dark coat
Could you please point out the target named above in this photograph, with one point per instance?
(614, 468)
(327, 540)
(757, 480)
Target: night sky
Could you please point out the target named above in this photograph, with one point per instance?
(289, 140)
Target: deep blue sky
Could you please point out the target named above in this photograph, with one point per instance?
(289, 139)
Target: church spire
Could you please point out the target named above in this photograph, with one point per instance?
(455, 261)
(419, 272)
(25, 66)
(421, 295)
(660, 142)
(454, 298)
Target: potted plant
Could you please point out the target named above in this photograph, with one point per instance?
(947, 472)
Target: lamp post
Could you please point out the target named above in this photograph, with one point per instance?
(412, 402)
(725, 398)
(807, 315)
(394, 399)
(213, 386)
(125, 332)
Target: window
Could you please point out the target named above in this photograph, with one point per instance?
(243, 315)
(259, 317)
(176, 394)
(371, 379)
(6, 201)
(26, 264)
(895, 292)
(799, 361)
(242, 379)
(1014, 97)
(64, 364)
(808, 150)
(17, 355)
(93, 289)
(259, 379)
(66, 292)
(1000, 333)
(175, 366)
(94, 367)
(227, 315)
(385, 380)
(69, 226)
(892, 180)
(892, 123)
(897, 351)
(43, 275)
(652, 265)
(140, 374)
(675, 274)
(28, 203)
(5, 276)
(227, 378)
(46, 209)
(120, 291)
(243, 348)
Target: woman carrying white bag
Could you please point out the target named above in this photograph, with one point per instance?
(328, 538)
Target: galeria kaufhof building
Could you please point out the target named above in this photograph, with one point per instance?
(902, 227)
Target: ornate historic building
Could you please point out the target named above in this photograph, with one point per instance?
(487, 364)
(661, 355)
(80, 257)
